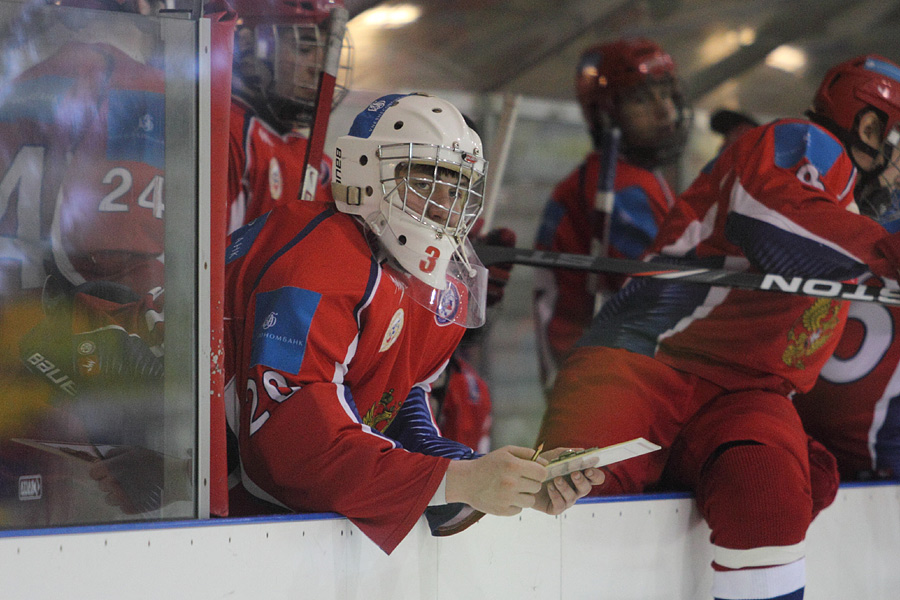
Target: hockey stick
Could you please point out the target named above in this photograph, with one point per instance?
(498, 157)
(337, 24)
(803, 286)
(604, 203)
(605, 199)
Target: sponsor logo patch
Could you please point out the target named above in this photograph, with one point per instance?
(30, 487)
(281, 326)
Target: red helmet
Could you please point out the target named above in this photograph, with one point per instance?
(279, 52)
(847, 90)
(857, 84)
(606, 72)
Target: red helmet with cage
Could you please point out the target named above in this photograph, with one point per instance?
(607, 72)
(860, 83)
(279, 52)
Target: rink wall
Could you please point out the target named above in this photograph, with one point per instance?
(624, 548)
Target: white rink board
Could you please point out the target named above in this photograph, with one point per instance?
(623, 549)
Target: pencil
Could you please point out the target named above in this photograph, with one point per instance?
(537, 451)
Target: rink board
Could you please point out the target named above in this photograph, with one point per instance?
(624, 548)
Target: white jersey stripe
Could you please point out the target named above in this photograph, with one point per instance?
(771, 582)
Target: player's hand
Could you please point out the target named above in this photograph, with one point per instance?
(561, 493)
(134, 479)
(502, 482)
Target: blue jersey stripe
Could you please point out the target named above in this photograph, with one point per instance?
(374, 268)
(552, 216)
(646, 308)
(36, 100)
(774, 250)
(242, 239)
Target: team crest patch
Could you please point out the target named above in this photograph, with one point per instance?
(382, 412)
(811, 331)
(276, 181)
(448, 306)
(393, 330)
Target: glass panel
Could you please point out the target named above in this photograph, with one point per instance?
(98, 127)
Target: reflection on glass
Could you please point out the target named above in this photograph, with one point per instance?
(82, 274)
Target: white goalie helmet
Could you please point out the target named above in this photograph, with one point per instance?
(414, 171)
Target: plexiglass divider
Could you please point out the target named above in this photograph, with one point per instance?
(104, 266)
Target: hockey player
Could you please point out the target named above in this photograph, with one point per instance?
(461, 403)
(707, 372)
(279, 52)
(630, 86)
(341, 316)
(854, 408)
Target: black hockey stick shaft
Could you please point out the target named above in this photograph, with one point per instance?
(803, 286)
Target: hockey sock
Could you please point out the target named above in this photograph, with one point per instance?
(756, 499)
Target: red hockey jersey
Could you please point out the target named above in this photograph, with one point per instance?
(265, 168)
(572, 222)
(82, 155)
(114, 180)
(854, 408)
(323, 347)
(780, 200)
(465, 409)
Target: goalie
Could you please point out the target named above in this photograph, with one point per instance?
(341, 316)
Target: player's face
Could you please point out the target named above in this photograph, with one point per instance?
(438, 194)
(297, 59)
(890, 177)
(648, 113)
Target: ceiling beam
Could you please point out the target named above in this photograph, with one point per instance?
(611, 13)
(801, 19)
